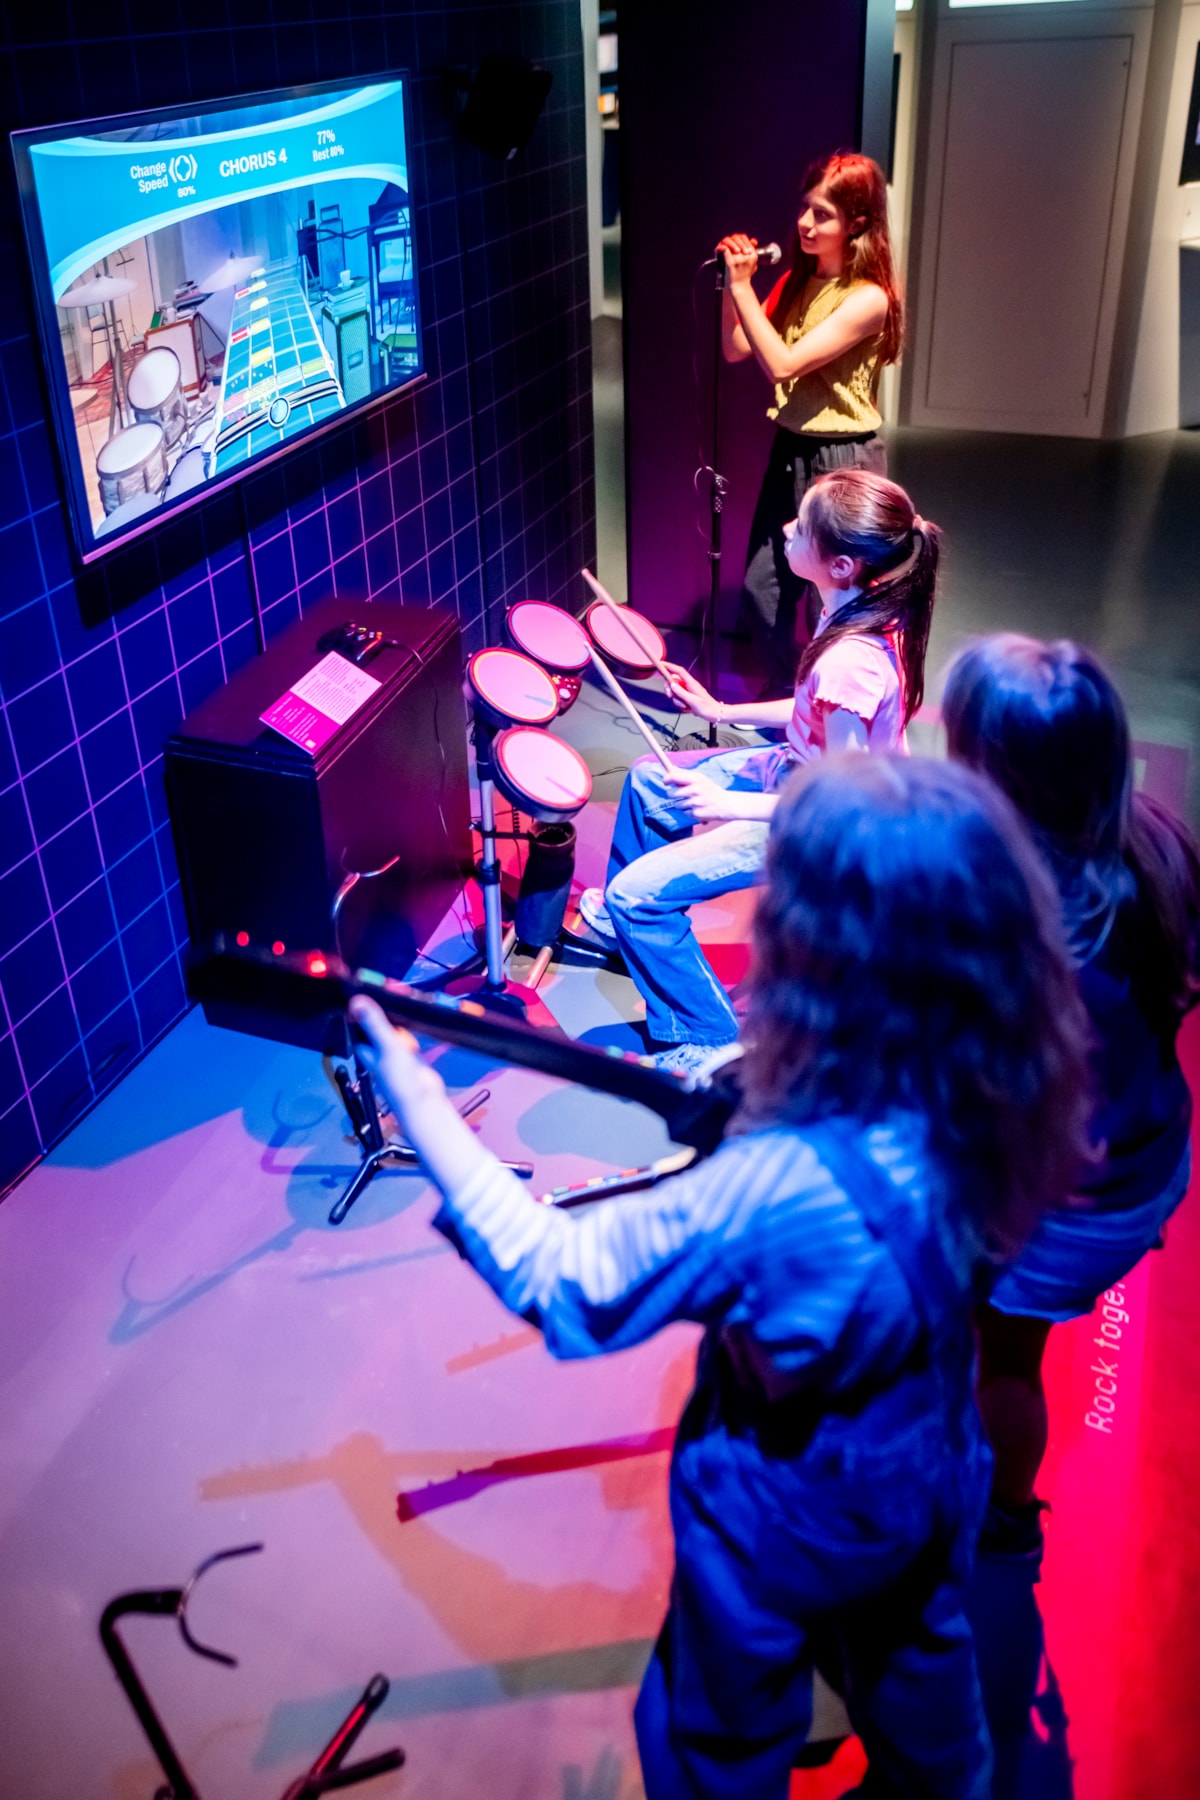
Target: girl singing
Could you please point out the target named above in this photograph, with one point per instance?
(821, 337)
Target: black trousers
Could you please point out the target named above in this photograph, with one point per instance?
(782, 610)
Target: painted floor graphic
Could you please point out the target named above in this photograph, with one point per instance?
(191, 1358)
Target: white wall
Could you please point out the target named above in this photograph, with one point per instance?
(900, 186)
(589, 16)
(1154, 393)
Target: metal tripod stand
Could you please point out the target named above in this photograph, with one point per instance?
(362, 1110)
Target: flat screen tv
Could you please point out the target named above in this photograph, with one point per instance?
(215, 284)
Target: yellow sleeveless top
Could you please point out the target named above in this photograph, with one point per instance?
(839, 397)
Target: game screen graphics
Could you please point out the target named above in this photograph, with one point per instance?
(214, 285)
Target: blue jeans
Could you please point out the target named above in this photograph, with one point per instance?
(851, 1555)
(657, 869)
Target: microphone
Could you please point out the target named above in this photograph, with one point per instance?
(768, 255)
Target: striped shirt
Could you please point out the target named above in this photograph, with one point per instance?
(759, 1237)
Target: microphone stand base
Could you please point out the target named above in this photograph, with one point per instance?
(717, 739)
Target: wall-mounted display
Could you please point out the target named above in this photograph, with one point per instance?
(215, 283)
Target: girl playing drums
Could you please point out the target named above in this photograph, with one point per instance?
(874, 563)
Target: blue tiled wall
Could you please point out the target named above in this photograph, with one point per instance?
(97, 668)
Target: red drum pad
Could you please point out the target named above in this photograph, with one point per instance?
(511, 689)
(617, 635)
(555, 640)
(539, 774)
(548, 634)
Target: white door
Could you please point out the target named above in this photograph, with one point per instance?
(1028, 230)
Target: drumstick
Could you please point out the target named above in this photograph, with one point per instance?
(602, 593)
(618, 692)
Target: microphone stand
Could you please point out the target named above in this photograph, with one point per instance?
(717, 492)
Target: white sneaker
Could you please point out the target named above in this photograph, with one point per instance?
(697, 1060)
(596, 914)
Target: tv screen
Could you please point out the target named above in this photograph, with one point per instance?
(214, 284)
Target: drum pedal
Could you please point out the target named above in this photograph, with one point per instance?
(581, 947)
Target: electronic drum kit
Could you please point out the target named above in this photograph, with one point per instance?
(516, 692)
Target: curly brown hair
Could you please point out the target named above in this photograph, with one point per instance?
(908, 957)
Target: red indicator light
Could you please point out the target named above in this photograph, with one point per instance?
(277, 949)
(243, 938)
(317, 965)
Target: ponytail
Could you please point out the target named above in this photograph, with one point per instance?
(854, 513)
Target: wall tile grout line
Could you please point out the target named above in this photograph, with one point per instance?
(89, 892)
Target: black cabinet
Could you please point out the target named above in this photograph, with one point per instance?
(269, 836)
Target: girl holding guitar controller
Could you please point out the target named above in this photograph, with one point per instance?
(912, 1094)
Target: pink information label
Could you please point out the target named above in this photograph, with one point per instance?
(312, 711)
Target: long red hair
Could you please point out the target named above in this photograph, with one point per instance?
(856, 185)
